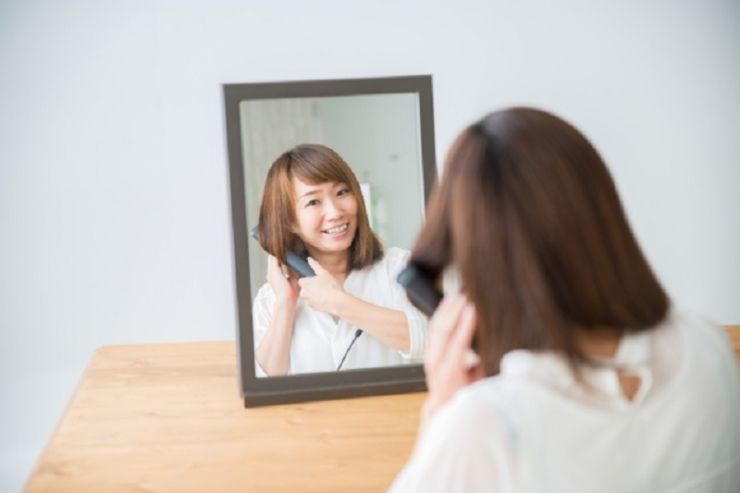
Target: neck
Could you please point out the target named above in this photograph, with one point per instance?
(334, 262)
(600, 344)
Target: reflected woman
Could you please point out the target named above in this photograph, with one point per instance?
(352, 313)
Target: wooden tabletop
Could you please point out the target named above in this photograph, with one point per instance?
(168, 417)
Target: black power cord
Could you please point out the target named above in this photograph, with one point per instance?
(358, 333)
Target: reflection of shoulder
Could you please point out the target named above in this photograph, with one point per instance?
(395, 259)
(395, 256)
(396, 252)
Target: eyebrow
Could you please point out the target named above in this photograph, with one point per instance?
(312, 192)
(316, 190)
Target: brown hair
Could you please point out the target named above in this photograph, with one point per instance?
(528, 213)
(313, 164)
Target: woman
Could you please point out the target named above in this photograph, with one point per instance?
(584, 378)
(312, 205)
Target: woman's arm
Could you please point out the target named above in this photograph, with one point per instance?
(389, 326)
(324, 293)
(273, 351)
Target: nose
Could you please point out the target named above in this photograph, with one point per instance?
(332, 208)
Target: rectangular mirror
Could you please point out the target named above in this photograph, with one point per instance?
(382, 130)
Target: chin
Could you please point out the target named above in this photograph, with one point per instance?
(338, 245)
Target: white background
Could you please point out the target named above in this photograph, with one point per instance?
(114, 208)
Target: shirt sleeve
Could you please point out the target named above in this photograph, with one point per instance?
(261, 319)
(417, 322)
(464, 448)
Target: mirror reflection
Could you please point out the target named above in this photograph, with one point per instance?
(336, 181)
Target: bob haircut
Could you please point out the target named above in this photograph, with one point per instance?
(313, 164)
(529, 215)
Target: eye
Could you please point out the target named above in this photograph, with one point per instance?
(312, 202)
(343, 191)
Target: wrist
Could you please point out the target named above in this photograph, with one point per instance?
(340, 304)
(285, 305)
(428, 409)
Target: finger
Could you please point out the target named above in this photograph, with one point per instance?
(272, 266)
(317, 267)
(476, 373)
(461, 340)
(440, 327)
(446, 316)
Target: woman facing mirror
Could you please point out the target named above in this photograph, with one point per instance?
(352, 313)
(585, 377)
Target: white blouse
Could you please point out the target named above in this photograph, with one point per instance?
(319, 341)
(533, 428)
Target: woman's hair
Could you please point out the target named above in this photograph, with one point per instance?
(529, 215)
(312, 164)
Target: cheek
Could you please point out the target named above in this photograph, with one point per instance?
(307, 220)
(352, 207)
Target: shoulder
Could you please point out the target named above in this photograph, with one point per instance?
(473, 422)
(698, 332)
(393, 253)
(480, 401)
(466, 446)
(395, 259)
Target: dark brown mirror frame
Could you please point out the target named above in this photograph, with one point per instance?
(317, 386)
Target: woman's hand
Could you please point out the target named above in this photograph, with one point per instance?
(284, 285)
(450, 363)
(322, 292)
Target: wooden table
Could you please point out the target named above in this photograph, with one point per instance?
(168, 417)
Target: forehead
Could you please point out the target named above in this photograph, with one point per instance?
(301, 187)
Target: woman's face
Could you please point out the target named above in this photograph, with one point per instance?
(326, 215)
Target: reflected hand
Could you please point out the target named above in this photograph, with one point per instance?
(285, 286)
(450, 364)
(322, 292)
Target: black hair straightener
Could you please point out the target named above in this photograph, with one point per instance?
(301, 267)
(294, 261)
(420, 288)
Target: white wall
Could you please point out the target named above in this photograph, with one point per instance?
(114, 210)
(379, 137)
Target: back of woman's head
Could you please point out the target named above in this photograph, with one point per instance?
(529, 215)
(313, 164)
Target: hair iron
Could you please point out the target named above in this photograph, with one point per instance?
(301, 267)
(294, 261)
(420, 288)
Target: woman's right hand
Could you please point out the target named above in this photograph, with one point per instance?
(286, 289)
(450, 364)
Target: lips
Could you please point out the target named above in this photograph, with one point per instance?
(336, 230)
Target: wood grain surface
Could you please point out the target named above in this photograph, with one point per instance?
(168, 417)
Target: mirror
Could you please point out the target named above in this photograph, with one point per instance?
(382, 129)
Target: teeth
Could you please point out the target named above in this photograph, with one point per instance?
(337, 229)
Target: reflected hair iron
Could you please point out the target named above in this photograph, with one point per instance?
(301, 267)
(294, 261)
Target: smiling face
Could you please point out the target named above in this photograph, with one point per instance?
(326, 216)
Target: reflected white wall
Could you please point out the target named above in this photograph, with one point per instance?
(378, 136)
(114, 206)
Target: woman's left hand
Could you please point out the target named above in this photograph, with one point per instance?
(322, 292)
(450, 363)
